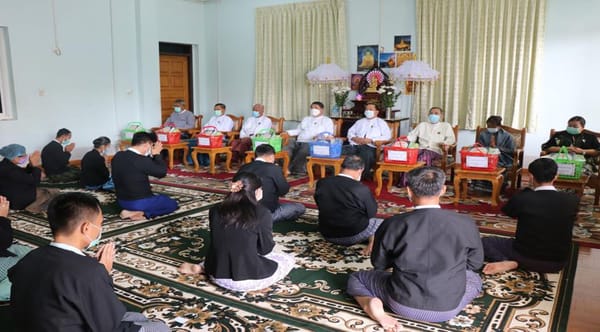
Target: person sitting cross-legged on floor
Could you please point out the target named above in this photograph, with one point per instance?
(274, 184)
(545, 220)
(347, 207)
(57, 287)
(130, 171)
(94, 173)
(10, 253)
(55, 158)
(240, 256)
(433, 254)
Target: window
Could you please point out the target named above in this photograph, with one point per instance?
(7, 94)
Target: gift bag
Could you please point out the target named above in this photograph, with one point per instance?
(132, 128)
(479, 158)
(325, 148)
(210, 137)
(267, 136)
(570, 165)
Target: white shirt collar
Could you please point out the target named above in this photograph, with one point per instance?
(136, 151)
(260, 159)
(544, 188)
(67, 247)
(346, 175)
(432, 206)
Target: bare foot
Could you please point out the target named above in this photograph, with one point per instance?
(374, 308)
(132, 215)
(188, 268)
(367, 251)
(499, 267)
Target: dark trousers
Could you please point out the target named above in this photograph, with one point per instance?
(498, 249)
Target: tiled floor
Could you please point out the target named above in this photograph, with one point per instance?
(585, 305)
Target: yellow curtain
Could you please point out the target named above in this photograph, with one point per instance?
(291, 40)
(487, 52)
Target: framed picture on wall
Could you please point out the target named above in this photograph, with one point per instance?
(404, 56)
(387, 60)
(402, 43)
(355, 81)
(367, 56)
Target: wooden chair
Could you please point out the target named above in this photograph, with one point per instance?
(519, 138)
(238, 121)
(379, 144)
(594, 180)
(449, 155)
(197, 127)
(277, 124)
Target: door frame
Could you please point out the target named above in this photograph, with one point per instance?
(166, 48)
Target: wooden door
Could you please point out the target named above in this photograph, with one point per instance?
(174, 82)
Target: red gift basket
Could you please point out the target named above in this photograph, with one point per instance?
(400, 155)
(169, 137)
(478, 158)
(210, 137)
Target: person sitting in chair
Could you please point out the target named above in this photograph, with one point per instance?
(259, 121)
(181, 118)
(223, 123)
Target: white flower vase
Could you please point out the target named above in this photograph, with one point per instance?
(388, 113)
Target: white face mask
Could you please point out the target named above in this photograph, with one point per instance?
(315, 112)
(149, 152)
(258, 193)
(95, 241)
(369, 114)
(23, 162)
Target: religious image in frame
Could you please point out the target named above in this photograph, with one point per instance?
(367, 56)
(355, 81)
(387, 60)
(402, 43)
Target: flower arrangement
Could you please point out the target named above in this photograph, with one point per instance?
(340, 94)
(388, 95)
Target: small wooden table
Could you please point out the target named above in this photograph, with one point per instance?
(578, 185)
(124, 144)
(391, 168)
(212, 154)
(322, 162)
(462, 175)
(171, 147)
(278, 155)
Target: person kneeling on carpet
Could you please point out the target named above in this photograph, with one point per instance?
(94, 173)
(57, 287)
(433, 254)
(240, 256)
(545, 220)
(10, 253)
(130, 171)
(274, 184)
(347, 207)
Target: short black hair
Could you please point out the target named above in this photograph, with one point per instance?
(101, 141)
(179, 101)
(579, 119)
(495, 120)
(141, 138)
(543, 169)
(436, 108)
(353, 162)
(264, 150)
(63, 132)
(377, 106)
(222, 105)
(67, 211)
(426, 181)
(318, 103)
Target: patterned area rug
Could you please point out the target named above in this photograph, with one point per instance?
(311, 298)
(489, 219)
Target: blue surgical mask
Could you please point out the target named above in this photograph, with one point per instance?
(177, 109)
(369, 114)
(255, 114)
(218, 112)
(65, 142)
(573, 130)
(95, 241)
(492, 130)
(434, 118)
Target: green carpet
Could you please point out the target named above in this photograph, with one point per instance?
(311, 298)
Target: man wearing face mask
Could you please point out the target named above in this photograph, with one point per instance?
(130, 172)
(577, 142)
(55, 158)
(347, 207)
(222, 122)
(252, 125)
(363, 134)
(181, 118)
(433, 136)
(94, 173)
(495, 137)
(57, 287)
(20, 177)
(307, 131)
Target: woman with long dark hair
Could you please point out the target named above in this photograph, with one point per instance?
(240, 256)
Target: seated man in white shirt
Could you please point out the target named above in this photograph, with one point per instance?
(363, 134)
(307, 131)
(222, 122)
(180, 118)
(253, 125)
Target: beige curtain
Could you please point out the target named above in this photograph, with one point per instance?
(487, 52)
(292, 40)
